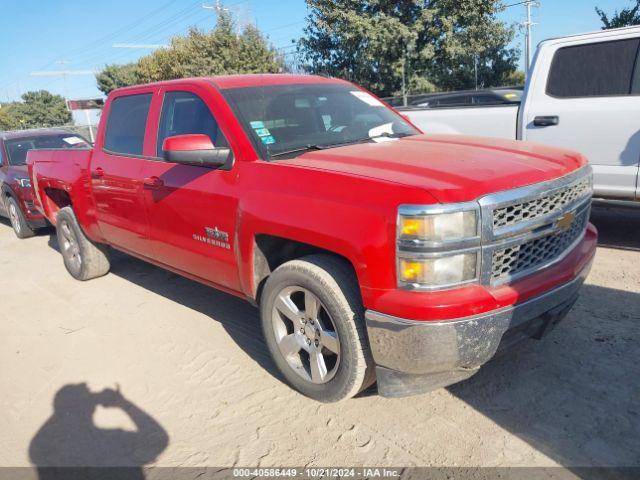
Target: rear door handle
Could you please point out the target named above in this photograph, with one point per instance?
(549, 121)
(153, 182)
(97, 173)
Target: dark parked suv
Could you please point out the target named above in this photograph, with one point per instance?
(16, 201)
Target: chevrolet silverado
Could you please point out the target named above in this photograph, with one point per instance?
(374, 252)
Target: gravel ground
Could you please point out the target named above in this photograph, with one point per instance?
(197, 387)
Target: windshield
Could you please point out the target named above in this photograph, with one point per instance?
(17, 148)
(287, 120)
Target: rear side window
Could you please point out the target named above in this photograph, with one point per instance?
(457, 100)
(596, 70)
(127, 123)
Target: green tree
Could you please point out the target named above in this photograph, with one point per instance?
(624, 18)
(8, 117)
(218, 52)
(38, 109)
(116, 76)
(390, 46)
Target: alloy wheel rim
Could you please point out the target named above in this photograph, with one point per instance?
(13, 216)
(306, 335)
(70, 246)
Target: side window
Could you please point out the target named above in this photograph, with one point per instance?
(487, 100)
(186, 113)
(596, 70)
(453, 101)
(126, 124)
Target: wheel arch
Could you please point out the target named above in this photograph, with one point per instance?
(271, 251)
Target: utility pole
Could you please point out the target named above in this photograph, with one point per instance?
(475, 68)
(218, 8)
(528, 24)
(64, 74)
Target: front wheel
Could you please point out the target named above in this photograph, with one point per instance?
(18, 220)
(313, 322)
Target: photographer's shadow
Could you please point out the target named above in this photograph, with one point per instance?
(70, 439)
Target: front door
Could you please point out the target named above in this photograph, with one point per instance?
(117, 174)
(192, 210)
(591, 104)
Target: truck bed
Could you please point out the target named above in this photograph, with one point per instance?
(59, 169)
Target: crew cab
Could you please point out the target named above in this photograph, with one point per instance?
(374, 252)
(583, 93)
(16, 201)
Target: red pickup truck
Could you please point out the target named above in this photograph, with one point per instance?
(373, 251)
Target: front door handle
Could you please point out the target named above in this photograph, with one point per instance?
(153, 182)
(97, 173)
(547, 121)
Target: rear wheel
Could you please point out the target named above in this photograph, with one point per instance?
(83, 259)
(18, 220)
(313, 322)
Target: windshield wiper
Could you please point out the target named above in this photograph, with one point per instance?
(391, 135)
(306, 148)
(314, 146)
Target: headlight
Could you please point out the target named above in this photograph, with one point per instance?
(439, 271)
(440, 227)
(24, 182)
(438, 246)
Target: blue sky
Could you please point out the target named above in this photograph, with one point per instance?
(75, 35)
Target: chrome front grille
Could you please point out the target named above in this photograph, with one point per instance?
(511, 261)
(532, 209)
(527, 229)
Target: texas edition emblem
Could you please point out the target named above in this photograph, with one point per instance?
(217, 234)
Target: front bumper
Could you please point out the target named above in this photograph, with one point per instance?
(416, 357)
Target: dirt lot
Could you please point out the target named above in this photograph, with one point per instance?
(195, 377)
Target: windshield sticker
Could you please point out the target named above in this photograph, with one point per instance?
(269, 140)
(262, 132)
(72, 140)
(257, 124)
(367, 98)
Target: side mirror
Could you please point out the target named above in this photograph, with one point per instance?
(194, 149)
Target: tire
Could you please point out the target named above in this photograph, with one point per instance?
(83, 259)
(323, 288)
(18, 221)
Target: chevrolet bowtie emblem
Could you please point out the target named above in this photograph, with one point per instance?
(565, 222)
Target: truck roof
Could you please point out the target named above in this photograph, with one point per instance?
(34, 132)
(247, 80)
(612, 32)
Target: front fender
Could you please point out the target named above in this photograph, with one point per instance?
(359, 232)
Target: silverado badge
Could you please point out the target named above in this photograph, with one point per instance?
(214, 237)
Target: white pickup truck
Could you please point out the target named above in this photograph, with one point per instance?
(583, 94)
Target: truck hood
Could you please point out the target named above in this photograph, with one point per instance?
(19, 170)
(451, 168)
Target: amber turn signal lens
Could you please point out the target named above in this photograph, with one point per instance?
(412, 272)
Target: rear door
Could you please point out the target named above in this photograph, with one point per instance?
(590, 102)
(117, 173)
(4, 166)
(192, 209)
